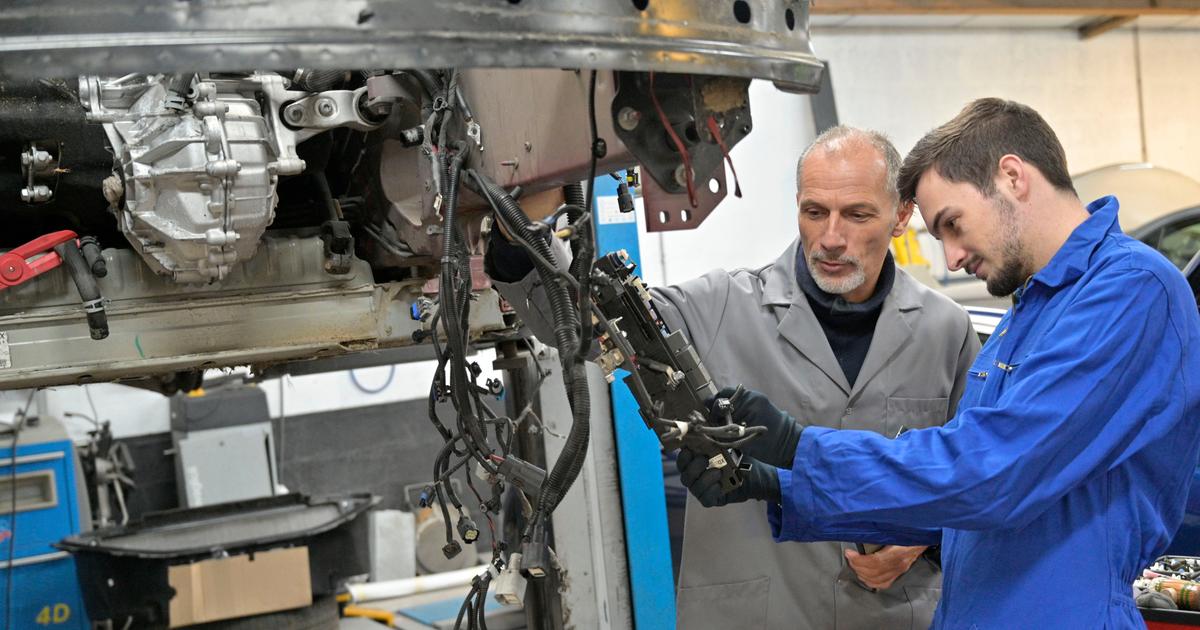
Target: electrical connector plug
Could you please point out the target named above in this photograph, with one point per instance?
(522, 474)
(451, 549)
(535, 554)
(510, 584)
(625, 202)
(467, 529)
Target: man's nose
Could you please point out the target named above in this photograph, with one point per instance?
(956, 256)
(832, 239)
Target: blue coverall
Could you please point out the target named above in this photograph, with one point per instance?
(1066, 469)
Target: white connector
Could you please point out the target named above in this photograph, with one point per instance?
(510, 585)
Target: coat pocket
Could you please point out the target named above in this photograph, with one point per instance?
(914, 413)
(924, 602)
(724, 606)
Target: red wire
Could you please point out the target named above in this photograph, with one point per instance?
(687, 160)
(716, 134)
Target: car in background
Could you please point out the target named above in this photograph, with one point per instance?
(1159, 207)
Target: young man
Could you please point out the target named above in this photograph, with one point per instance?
(837, 334)
(1066, 469)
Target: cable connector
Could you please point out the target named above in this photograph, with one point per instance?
(510, 584)
(535, 561)
(625, 203)
(451, 549)
(467, 529)
(522, 474)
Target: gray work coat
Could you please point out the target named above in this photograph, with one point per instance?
(756, 328)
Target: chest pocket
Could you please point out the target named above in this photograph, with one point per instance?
(914, 413)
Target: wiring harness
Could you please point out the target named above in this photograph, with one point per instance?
(479, 435)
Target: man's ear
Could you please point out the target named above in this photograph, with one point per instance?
(904, 213)
(1013, 176)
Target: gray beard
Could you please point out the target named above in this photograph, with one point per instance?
(836, 286)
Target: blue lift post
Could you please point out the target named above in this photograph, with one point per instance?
(639, 457)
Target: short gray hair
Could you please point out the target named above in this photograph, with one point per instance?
(834, 138)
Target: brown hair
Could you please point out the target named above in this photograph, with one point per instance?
(968, 148)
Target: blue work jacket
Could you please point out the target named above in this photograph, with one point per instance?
(1066, 469)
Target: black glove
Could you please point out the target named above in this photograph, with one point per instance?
(760, 482)
(777, 446)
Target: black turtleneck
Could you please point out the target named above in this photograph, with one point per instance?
(848, 326)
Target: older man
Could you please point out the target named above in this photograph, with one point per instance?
(837, 334)
(1066, 469)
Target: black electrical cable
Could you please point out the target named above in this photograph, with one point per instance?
(570, 461)
(437, 489)
(454, 315)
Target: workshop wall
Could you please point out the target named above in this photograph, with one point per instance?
(907, 81)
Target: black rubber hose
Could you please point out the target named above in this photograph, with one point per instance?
(570, 461)
(430, 84)
(574, 195)
(318, 80)
(89, 291)
(326, 195)
(93, 256)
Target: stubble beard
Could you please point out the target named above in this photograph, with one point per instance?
(1014, 268)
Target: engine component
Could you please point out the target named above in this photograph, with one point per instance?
(331, 109)
(199, 176)
(199, 184)
(681, 128)
(659, 114)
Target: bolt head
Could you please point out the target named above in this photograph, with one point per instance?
(628, 118)
(325, 107)
(681, 175)
(294, 114)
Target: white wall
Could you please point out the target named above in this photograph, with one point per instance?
(1171, 94)
(906, 83)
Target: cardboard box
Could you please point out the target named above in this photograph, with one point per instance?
(240, 586)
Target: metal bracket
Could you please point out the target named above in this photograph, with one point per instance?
(329, 110)
(687, 102)
(666, 211)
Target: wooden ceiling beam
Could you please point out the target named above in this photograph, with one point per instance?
(1099, 8)
(1102, 25)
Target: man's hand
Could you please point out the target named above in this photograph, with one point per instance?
(777, 446)
(878, 570)
(760, 482)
